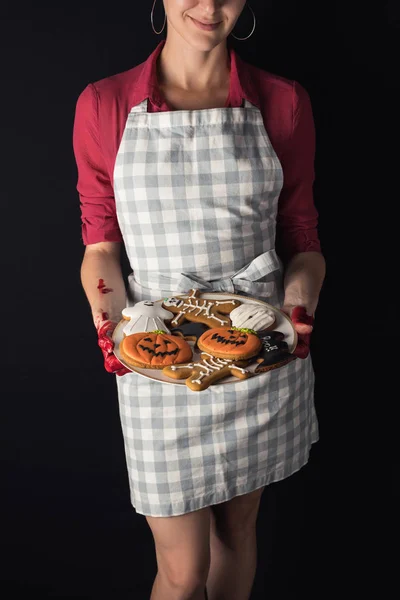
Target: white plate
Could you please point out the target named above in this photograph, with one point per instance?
(282, 323)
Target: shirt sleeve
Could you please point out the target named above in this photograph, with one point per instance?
(96, 194)
(297, 217)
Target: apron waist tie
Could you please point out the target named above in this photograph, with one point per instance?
(244, 280)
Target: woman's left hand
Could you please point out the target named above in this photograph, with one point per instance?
(303, 324)
(303, 280)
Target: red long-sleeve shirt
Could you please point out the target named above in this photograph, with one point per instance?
(101, 113)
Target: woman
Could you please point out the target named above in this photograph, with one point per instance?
(201, 165)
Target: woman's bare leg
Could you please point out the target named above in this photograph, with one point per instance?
(182, 546)
(233, 545)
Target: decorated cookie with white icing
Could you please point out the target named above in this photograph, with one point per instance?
(252, 316)
(213, 313)
(199, 375)
(146, 316)
(274, 353)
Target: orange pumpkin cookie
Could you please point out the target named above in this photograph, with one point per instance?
(233, 343)
(154, 350)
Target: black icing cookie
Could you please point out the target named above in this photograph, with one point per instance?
(190, 329)
(274, 353)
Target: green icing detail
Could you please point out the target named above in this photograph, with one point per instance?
(245, 330)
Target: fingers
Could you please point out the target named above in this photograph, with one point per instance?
(111, 362)
(122, 371)
(113, 365)
(302, 322)
(106, 328)
(302, 349)
(303, 328)
(299, 315)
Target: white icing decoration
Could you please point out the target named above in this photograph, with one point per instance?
(146, 316)
(252, 316)
(172, 301)
(192, 304)
(240, 369)
(267, 346)
(188, 366)
(209, 365)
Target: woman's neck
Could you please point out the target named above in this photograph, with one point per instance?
(182, 67)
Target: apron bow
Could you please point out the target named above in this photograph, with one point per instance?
(245, 280)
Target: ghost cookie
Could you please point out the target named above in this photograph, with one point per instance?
(253, 316)
(231, 343)
(154, 350)
(213, 313)
(274, 353)
(146, 316)
(199, 375)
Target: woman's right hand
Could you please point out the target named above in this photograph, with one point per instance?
(105, 329)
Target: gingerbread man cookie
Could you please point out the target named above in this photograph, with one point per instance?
(146, 316)
(200, 375)
(191, 308)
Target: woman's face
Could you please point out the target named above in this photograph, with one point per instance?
(203, 24)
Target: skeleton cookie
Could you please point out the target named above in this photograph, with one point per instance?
(199, 375)
(191, 308)
(145, 316)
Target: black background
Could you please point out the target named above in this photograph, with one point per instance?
(69, 530)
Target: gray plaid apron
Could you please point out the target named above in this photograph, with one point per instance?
(196, 197)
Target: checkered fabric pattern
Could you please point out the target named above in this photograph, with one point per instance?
(196, 198)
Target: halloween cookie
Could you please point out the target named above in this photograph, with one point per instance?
(213, 313)
(253, 316)
(145, 316)
(232, 343)
(274, 352)
(154, 350)
(199, 375)
(190, 330)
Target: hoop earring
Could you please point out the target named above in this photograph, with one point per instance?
(254, 26)
(152, 20)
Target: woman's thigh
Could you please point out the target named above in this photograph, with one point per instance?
(182, 545)
(234, 520)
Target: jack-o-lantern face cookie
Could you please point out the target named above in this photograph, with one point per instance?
(233, 343)
(154, 350)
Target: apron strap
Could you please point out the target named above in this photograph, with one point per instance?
(140, 108)
(244, 280)
(247, 104)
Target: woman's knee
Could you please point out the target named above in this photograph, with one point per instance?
(182, 547)
(186, 583)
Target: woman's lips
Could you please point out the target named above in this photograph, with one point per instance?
(205, 26)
